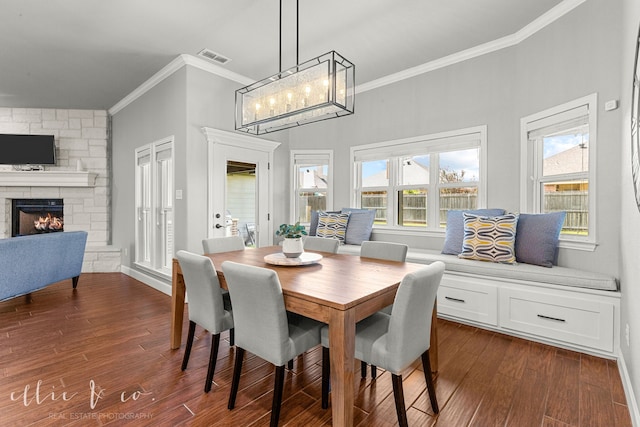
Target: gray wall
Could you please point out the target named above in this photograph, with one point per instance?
(575, 56)
(160, 113)
(180, 105)
(210, 103)
(630, 217)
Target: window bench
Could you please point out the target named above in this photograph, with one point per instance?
(562, 306)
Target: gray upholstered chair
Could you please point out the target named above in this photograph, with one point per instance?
(388, 251)
(216, 245)
(264, 327)
(394, 341)
(222, 244)
(208, 306)
(321, 244)
(384, 250)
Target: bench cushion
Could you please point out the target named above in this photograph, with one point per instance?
(562, 276)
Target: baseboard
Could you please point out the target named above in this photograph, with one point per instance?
(147, 279)
(632, 403)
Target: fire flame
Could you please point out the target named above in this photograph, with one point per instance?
(48, 223)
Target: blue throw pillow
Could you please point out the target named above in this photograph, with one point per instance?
(360, 225)
(313, 223)
(454, 234)
(537, 238)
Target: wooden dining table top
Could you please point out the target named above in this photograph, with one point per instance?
(337, 281)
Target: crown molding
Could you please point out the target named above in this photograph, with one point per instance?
(511, 40)
(179, 62)
(542, 21)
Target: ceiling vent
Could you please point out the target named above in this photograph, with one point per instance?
(213, 56)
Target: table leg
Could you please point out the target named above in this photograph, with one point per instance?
(178, 290)
(433, 347)
(342, 330)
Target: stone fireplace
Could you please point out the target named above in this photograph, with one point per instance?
(36, 216)
(79, 181)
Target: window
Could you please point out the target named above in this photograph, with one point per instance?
(412, 183)
(154, 206)
(558, 167)
(311, 177)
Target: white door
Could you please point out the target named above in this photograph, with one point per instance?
(239, 187)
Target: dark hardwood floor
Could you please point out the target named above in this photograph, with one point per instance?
(100, 355)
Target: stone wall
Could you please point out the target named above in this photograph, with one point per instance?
(82, 141)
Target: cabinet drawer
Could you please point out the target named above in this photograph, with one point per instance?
(468, 298)
(585, 322)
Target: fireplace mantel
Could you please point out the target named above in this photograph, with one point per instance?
(47, 179)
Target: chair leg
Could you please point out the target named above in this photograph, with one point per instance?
(277, 396)
(232, 337)
(428, 376)
(290, 365)
(215, 344)
(398, 394)
(187, 350)
(374, 372)
(326, 371)
(363, 370)
(235, 382)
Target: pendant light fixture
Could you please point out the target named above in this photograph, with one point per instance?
(319, 89)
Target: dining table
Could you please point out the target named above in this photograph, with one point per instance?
(337, 289)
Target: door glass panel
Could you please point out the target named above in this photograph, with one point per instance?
(240, 216)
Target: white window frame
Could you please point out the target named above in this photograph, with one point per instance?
(311, 158)
(158, 245)
(531, 162)
(432, 144)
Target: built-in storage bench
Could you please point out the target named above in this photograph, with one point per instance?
(562, 306)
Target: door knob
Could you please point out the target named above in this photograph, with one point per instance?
(218, 226)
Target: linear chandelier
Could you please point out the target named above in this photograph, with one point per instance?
(319, 89)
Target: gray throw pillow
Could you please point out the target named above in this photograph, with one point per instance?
(537, 238)
(454, 234)
(359, 226)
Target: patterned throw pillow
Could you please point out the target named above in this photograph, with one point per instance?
(490, 238)
(332, 225)
(454, 233)
(314, 221)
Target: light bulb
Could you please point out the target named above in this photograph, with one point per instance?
(272, 103)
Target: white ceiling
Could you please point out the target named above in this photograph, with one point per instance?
(89, 54)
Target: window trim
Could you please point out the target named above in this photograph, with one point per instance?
(551, 116)
(294, 155)
(459, 139)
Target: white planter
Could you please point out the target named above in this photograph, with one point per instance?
(292, 248)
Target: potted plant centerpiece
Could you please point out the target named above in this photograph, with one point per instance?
(292, 246)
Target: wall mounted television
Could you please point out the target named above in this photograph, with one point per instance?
(27, 149)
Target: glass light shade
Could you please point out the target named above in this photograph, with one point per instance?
(319, 89)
